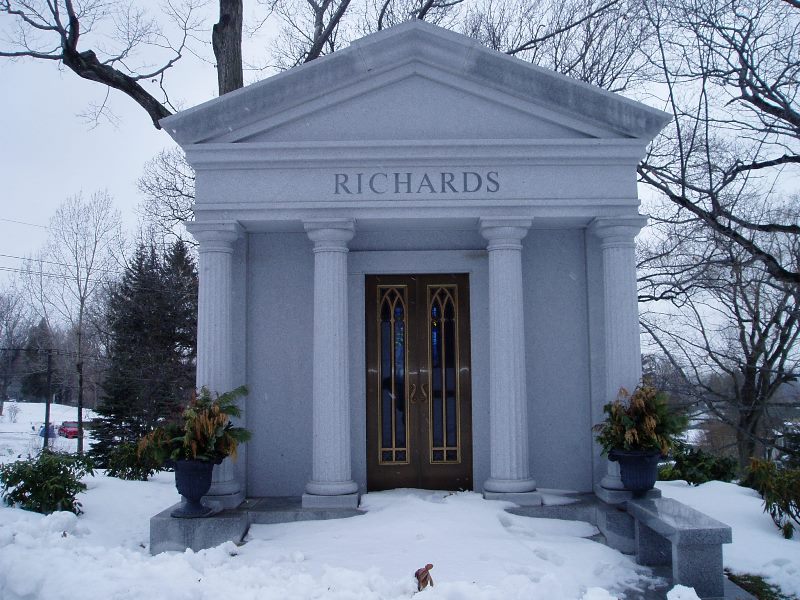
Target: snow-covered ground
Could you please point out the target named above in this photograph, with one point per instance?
(479, 551)
(757, 547)
(19, 438)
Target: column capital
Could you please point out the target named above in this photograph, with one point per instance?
(617, 231)
(330, 235)
(215, 236)
(504, 232)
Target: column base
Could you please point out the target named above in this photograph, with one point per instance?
(520, 498)
(219, 502)
(509, 486)
(612, 480)
(331, 488)
(340, 501)
(619, 496)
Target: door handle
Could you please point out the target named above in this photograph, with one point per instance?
(424, 393)
(413, 395)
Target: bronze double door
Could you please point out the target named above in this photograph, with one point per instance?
(419, 410)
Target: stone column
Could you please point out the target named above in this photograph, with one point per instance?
(508, 400)
(331, 484)
(623, 355)
(215, 335)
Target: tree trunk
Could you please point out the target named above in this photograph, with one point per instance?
(226, 39)
(745, 436)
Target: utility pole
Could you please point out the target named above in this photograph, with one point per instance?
(80, 404)
(47, 401)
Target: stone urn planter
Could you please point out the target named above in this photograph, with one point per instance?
(202, 437)
(639, 429)
(637, 468)
(193, 480)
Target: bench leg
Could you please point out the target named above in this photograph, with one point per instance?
(652, 549)
(700, 567)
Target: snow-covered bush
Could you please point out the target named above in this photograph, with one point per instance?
(47, 483)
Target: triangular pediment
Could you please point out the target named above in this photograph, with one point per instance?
(415, 107)
(414, 81)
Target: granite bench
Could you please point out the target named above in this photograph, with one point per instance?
(670, 533)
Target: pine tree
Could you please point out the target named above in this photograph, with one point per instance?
(152, 320)
(40, 340)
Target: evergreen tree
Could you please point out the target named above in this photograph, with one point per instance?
(34, 382)
(152, 320)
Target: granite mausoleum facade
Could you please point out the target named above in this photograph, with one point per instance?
(418, 254)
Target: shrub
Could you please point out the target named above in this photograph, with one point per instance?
(780, 489)
(125, 462)
(697, 466)
(47, 483)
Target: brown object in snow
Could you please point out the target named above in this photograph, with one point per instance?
(424, 578)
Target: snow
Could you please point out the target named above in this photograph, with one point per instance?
(758, 547)
(478, 550)
(681, 592)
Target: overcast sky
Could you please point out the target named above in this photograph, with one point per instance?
(49, 152)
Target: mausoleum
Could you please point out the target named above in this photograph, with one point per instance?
(418, 255)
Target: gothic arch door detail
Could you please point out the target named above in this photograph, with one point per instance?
(419, 409)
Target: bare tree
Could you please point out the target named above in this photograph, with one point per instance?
(728, 327)
(167, 187)
(109, 43)
(309, 29)
(602, 42)
(14, 321)
(730, 69)
(72, 268)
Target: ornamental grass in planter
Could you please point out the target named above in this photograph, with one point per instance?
(201, 438)
(639, 429)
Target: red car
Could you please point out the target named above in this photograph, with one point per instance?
(68, 429)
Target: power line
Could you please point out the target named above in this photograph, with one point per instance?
(52, 262)
(45, 274)
(24, 223)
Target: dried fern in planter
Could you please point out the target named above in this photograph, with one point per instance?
(639, 421)
(205, 431)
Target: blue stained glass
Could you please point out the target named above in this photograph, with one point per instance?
(435, 356)
(438, 430)
(437, 426)
(400, 381)
(449, 335)
(386, 385)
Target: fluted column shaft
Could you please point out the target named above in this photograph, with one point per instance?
(508, 401)
(623, 354)
(331, 471)
(215, 333)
